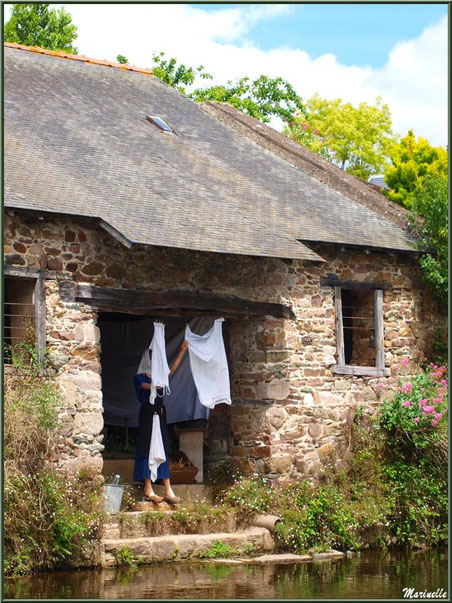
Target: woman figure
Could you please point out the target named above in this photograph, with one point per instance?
(142, 472)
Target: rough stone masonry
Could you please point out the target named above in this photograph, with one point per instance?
(289, 408)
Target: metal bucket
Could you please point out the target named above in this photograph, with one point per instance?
(113, 498)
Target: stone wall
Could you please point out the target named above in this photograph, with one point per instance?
(288, 406)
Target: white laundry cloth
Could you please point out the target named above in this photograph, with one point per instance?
(209, 365)
(156, 449)
(159, 364)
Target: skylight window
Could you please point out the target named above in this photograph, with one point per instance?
(157, 121)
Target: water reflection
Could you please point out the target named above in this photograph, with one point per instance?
(368, 575)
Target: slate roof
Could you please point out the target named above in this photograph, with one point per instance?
(77, 143)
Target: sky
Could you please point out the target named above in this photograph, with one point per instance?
(355, 52)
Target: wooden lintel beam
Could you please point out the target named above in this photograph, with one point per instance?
(333, 282)
(177, 300)
(25, 272)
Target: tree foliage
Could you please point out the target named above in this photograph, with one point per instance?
(429, 215)
(177, 76)
(412, 162)
(122, 59)
(357, 139)
(261, 98)
(37, 25)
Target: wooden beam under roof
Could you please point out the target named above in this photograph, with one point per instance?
(180, 302)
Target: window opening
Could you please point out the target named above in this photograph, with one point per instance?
(358, 321)
(19, 317)
(359, 329)
(157, 121)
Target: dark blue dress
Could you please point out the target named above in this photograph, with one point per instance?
(147, 411)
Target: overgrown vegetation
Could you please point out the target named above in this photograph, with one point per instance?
(48, 515)
(429, 218)
(125, 558)
(395, 484)
(219, 550)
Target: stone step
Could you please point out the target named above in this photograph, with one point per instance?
(176, 547)
(160, 520)
(188, 493)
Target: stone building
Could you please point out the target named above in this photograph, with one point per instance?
(125, 201)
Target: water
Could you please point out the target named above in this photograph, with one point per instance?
(370, 575)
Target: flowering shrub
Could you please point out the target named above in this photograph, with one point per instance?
(395, 484)
(418, 411)
(414, 425)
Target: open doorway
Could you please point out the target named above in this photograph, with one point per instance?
(124, 337)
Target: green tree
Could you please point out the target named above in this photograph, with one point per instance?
(357, 139)
(430, 222)
(412, 162)
(261, 98)
(122, 59)
(36, 25)
(175, 75)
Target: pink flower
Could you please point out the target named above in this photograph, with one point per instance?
(306, 126)
(316, 131)
(416, 419)
(380, 385)
(434, 422)
(428, 409)
(444, 381)
(406, 403)
(405, 361)
(423, 402)
(438, 415)
(422, 389)
(435, 367)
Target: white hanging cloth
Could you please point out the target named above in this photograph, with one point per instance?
(159, 364)
(209, 365)
(158, 370)
(156, 449)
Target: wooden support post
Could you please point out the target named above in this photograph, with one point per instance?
(379, 330)
(39, 300)
(339, 326)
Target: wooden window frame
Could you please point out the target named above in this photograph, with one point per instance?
(39, 301)
(379, 370)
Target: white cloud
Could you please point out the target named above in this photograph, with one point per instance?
(413, 81)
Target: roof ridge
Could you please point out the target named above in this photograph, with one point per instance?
(79, 57)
